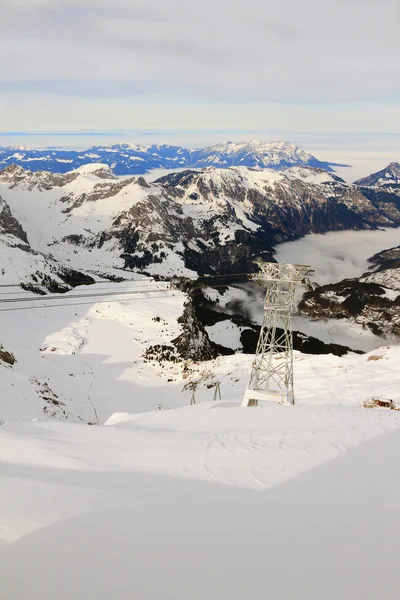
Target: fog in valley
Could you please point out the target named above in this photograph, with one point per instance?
(333, 256)
(339, 254)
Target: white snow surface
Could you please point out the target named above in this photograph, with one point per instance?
(226, 334)
(211, 500)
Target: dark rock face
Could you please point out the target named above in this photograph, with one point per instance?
(387, 259)
(9, 225)
(7, 357)
(285, 207)
(193, 343)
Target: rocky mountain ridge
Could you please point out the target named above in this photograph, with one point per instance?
(388, 178)
(190, 223)
(130, 159)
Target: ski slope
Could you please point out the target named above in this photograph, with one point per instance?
(205, 501)
(165, 499)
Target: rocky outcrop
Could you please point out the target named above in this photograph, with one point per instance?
(193, 343)
(7, 357)
(10, 226)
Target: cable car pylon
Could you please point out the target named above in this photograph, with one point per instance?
(271, 375)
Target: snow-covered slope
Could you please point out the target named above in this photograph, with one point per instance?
(275, 155)
(128, 347)
(387, 178)
(20, 263)
(212, 221)
(131, 159)
(170, 501)
(73, 359)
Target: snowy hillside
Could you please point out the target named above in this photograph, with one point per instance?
(131, 159)
(388, 178)
(178, 491)
(134, 346)
(275, 155)
(164, 497)
(88, 221)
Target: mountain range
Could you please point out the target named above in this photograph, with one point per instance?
(129, 159)
(213, 221)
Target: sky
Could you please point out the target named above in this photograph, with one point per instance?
(100, 65)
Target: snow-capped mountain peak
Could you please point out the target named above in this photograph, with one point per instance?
(100, 170)
(276, 155)
(135, 159)
(390, 176)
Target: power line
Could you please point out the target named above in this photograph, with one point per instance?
(47, 295)
(62, 297)
(173, 294)
(199, 278)
(76, 283)
(15, 300)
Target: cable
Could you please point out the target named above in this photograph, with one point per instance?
(342, 364)
(177, 294)
(151, 278)
(78, 283)
(62, 297)
(89, 295)
(72, 290)
(172, 295)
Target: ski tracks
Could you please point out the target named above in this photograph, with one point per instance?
(263, 457)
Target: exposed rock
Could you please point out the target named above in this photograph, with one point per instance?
(7, 357)
(209, 313)
(9, 225)
(193, 343)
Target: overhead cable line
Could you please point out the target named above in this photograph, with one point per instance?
(76, 304)
(77, 296)
(200, 278)
(173, 293)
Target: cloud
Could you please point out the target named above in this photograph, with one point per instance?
(219, 52)
(337, 255)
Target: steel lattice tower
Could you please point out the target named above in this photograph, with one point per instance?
(271, 375)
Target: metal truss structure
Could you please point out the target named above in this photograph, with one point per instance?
(271, 375)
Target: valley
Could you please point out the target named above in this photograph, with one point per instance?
(181, 246)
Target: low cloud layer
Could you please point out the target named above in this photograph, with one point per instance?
(338, 255)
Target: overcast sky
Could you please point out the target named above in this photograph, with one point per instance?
(315, 65)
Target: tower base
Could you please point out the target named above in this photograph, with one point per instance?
(253, 397)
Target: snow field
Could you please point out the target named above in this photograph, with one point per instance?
(210, 500)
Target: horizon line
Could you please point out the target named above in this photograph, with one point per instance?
(170, 131)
